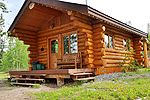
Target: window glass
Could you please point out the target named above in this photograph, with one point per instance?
(125, 44)
(54, 46)
(111, 41)
(73, 43)
(66, 44)
(106, 41)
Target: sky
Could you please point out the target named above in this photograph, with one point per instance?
(136, 11)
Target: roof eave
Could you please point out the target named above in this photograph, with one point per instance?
(19, 15)
(116, 22)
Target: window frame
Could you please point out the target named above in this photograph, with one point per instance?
(68, 34)
(127, 49)
(112, 35)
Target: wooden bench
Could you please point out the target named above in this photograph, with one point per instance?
(69, 61)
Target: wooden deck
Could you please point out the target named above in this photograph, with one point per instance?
(59, 74)
(53, 71)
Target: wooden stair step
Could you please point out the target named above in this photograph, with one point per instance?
(34, 74)
(82, 79)
(76, 74)
(30, 79)
(28, 84)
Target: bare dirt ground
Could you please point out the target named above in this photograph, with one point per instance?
(21, 93)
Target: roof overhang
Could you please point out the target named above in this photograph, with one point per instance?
(84, 9)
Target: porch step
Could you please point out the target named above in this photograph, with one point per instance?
(77, 74)
(30, 79)
(27, 84)
(82, 79)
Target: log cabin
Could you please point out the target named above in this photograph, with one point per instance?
(60, 33)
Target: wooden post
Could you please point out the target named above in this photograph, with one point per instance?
(60, 81)
(145, 53)
(59, 46)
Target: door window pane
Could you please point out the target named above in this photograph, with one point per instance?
(66, 44)
(106, 41)
(54, 46)
(111, 41)
(73, 43)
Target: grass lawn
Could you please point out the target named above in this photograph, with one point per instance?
(128, 89)
(4, 75)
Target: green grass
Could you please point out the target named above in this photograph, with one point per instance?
(127, 89)
(4, 75)
(144, 70)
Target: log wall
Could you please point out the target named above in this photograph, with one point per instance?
(85, 34)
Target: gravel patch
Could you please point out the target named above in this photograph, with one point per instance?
(121, 75)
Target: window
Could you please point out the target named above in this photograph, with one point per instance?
(126, 44)
(54, 46)
(70, 44)
(108, 41)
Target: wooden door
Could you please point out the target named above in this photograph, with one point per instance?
(53, 52)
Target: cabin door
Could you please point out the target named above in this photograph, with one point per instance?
(53, 52)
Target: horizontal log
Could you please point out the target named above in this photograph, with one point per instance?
(117, 54)
(55, 28)
(24, 32)
(82, 48)
(27, 39)
(88, 52)
(81, 36)
(97, 49)
(118, 42)
(90, 66)
(140, 60)
(141, 54)
(41, 38)
(114, 65)
(120, 46)
(99, 62)
(82, 40)
(56, 32)
(80, 19)
(32, 53)
(116, 61)
(114, 57)
(85, 31)
(97, 57)
(90, 48)
(102, 53)
(87, 43)
(79, 24)
(116, 51)
(88, 35)
(26, 36)
(79, 15)
(31, 56)
(81, 44)
(138, 44)
(137, 39)
(42, 54)
(101, 36)
(99, 45)
(118, 39)
(32, 49)
(98, 41)
(42, 60)
(42, 42)
(30, 43)
(99, 26)
(80, 33)
(138, 49)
